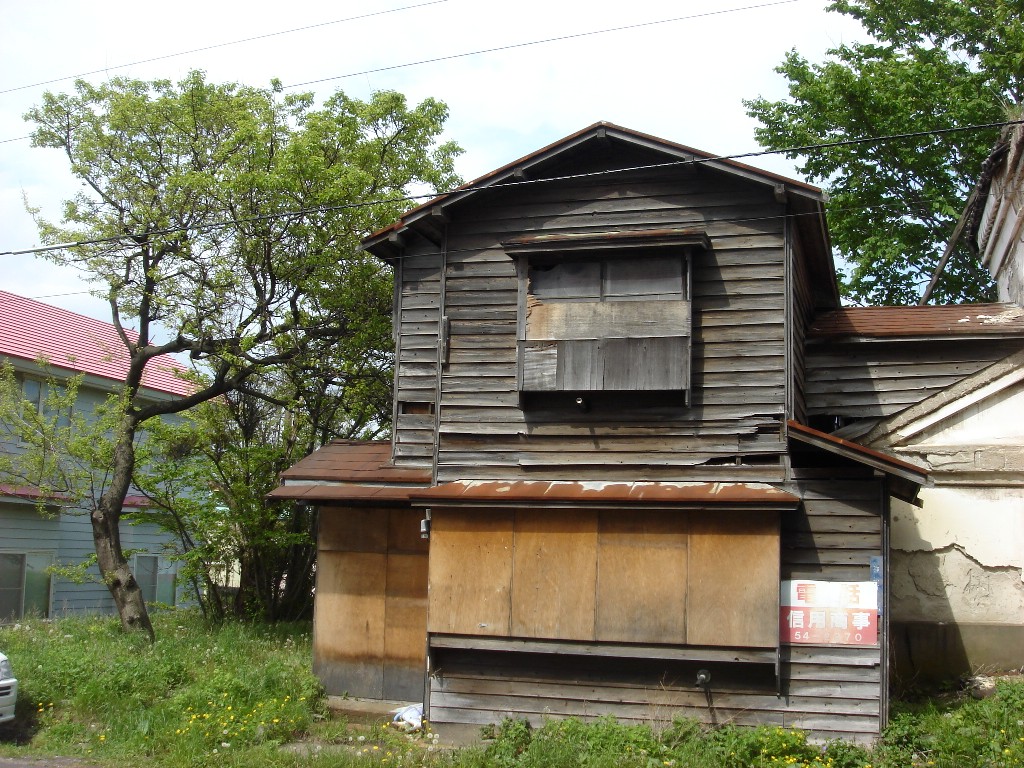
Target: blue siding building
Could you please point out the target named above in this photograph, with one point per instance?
(43, 343)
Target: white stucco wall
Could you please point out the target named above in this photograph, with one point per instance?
(960, 556)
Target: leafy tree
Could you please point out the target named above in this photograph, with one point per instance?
(222, 221)
(234, 448)
(931, 65)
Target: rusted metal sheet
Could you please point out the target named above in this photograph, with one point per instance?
(343, 493)
(857, 452)
(567, 493)
(906, 322)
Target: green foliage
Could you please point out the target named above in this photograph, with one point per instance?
(48, 446)
(932, 65)
(93, 691)
(234, 693)
(959, 734)
(765, 746)
(223, 222)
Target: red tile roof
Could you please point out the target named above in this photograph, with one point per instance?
(31, 330)
(907, 322)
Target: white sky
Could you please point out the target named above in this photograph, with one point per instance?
(681, 80)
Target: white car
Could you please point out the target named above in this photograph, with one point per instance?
(8, 690)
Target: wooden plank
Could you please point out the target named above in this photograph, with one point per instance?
(348, 633)
(733, 581)
(607, 319)
(555, 575)
(405, 611)
(353, 529)
(469, 543)
(641, 587)
(606, 649)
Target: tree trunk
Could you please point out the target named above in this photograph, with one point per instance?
(106, 535)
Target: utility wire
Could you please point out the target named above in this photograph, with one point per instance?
(560, 38)
(509, 184)
(221, 45)
(406, 65)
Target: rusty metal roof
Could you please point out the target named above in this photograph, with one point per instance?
(354, 461)
(350, 471)
(326, 493)
(858, 453)
(560, 493)
(910, 322)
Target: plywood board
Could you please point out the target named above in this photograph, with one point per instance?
(470, 574)
(641, 577)
(608, 319)
(555, 574)
(405, 607)
(349, 620)
(733, 583)
(353, 529)
(404, 533)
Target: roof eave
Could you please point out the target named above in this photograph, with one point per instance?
(901, 471)
(381, 243)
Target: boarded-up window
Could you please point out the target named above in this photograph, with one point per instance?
(606, 324)
(692, 578)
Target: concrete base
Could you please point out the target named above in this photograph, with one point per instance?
(365, 711)
(931, 653)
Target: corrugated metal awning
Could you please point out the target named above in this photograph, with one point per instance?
(560, 493)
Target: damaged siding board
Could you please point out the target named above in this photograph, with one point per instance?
(416, 365)
(736, 331)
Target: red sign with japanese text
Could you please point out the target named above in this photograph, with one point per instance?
(829, 612)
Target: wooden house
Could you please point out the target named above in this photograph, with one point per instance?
(610, 489)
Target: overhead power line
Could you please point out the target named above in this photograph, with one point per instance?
(449, 57)
(560, 38)
(506, 185)
(221, 45)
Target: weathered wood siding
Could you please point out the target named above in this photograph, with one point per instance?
(417, 320)
(872, 379)
(801, 313)
(738, 370)
(833, 691)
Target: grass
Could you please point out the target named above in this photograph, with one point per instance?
(244, 695)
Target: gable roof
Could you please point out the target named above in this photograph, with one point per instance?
(918, 322)
(810, 198)
(30, 330)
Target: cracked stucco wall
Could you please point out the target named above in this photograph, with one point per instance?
(960, 556)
